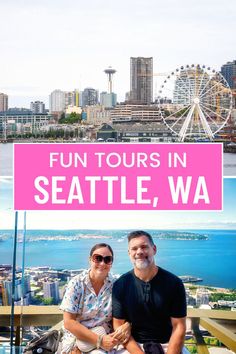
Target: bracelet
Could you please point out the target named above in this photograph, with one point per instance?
(99, 341)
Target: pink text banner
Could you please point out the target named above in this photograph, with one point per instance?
(118, 176)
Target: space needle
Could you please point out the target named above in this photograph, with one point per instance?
(110, 72)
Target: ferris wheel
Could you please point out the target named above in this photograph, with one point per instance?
(195, 102)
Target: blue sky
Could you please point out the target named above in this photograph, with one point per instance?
(67, 44)
(121, 219)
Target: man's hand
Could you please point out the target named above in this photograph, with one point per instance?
(122, 333)
(131, 346)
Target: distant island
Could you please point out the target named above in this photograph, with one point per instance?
(62, 238)
(179, 235)
(76, 235)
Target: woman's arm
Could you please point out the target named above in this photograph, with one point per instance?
(76, 328)
(83, 333)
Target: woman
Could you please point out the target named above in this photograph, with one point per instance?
(87, 305)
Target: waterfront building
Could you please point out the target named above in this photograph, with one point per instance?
(135, 133)
(108, 100)
(202, 297)
(190, 300)
(22, 290)
(227, 303)
(228, 70)
(141, 80)
(97, 114)
(37, 107)
(51, 289)
(89, 97)
(19, 110)
(3, 102)
(21, 123)
(135, 113)
(57, 101)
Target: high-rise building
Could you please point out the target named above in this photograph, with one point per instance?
(89, 97)
(141, 80)
(228, 70)
(51, 289)
(190, 83)
(57, 101)
(3, 295)
(108, 100)
(72, 98)
(22, 290)
(202, 296)
(37, 107)
(3, 102)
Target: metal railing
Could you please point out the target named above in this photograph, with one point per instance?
(220, 324)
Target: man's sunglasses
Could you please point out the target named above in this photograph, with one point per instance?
(97, 258)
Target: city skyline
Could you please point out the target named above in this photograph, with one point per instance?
(78, 41)
(139, 219)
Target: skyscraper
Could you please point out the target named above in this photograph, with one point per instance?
(37, 107)
(57, 101)
(141, 80)
(228, 70)
(72, 98)
(51, 289)
(3, 102)
(89, 97)
(20, 292)
(108, 100)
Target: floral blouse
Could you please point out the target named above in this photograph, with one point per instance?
(92, 310)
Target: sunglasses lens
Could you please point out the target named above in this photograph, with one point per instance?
(97, 258)
(108, 259)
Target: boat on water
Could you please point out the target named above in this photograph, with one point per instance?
(190, 279)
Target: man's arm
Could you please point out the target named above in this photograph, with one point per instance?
(176, 341)
(131, 345)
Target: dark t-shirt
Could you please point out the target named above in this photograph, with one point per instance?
(149, 306)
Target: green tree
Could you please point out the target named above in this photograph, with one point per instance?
(222, 296)
(63, 116)
(37, 300)
(48, 301)
(70, 119)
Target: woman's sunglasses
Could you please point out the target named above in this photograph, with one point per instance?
(97, 258)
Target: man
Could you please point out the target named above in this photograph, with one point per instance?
(151, 299)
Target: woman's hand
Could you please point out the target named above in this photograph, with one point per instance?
(109, 342)
(122, 333)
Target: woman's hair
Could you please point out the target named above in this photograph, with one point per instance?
(101, 245)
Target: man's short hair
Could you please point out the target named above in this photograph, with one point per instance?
(139, 233)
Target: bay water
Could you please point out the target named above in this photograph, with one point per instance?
(213, 259)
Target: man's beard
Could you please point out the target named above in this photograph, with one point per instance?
(143, 263)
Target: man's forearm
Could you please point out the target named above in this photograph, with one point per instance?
(133, 347)
(176, 342)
